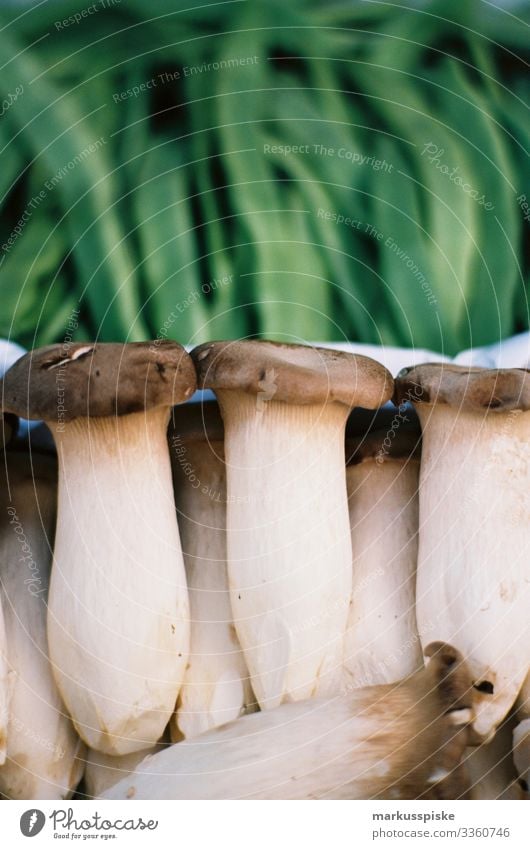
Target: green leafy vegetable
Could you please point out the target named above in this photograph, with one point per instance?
(292, 170)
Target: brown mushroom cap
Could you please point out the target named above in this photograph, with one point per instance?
(389, 434)
(295, 374)
(197, 422)
(464, 387)
(98, 379)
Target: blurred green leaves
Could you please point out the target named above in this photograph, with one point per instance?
(236, 139)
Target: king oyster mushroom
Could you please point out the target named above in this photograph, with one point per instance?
(216, 686)
(4, 688)
(118, 620)
(44, 753)
(8, 424)
(284, 409)
(473, 586)
(380, 742)
(382, 643)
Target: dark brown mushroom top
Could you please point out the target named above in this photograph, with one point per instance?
(59, 383)
(197, 422)
(464, 387)
(390, 434)
(295, 374)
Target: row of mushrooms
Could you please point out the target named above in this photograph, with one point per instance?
(295, 591)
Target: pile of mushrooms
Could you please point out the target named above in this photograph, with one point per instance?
(298, 590)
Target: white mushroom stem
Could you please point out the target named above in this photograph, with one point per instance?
(4, 688)
(44, 753)
(289, 549)
(6, 425)
(473, 586)
(373, 742)
(216, 687)
(382, 643)
(118, 621)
